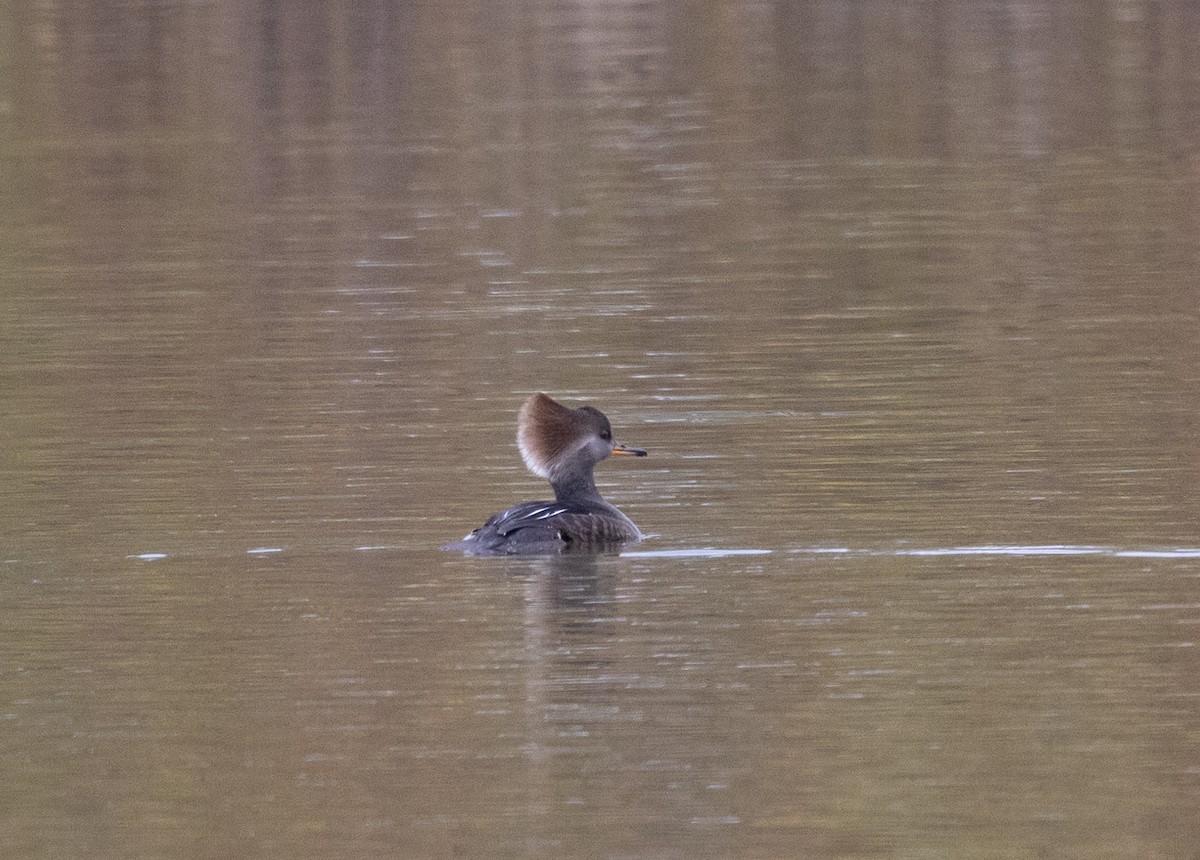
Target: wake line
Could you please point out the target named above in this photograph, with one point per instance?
(1046, 549)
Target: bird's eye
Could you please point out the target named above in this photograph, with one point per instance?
(606, 435)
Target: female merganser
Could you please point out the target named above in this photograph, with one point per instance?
(563, 446)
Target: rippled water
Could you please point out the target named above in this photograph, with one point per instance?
(900, 298)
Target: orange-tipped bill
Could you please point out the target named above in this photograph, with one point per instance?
(620, 450)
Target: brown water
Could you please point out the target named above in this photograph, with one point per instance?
(902, 298)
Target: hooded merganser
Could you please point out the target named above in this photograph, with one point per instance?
(563, 446)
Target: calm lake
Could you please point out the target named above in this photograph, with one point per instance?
(901, 298)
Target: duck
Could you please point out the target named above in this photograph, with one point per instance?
(563, 446)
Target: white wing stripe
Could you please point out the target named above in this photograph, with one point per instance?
(549, 513)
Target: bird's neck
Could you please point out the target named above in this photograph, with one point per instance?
(575, 486)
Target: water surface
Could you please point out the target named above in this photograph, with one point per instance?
(900, 298)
